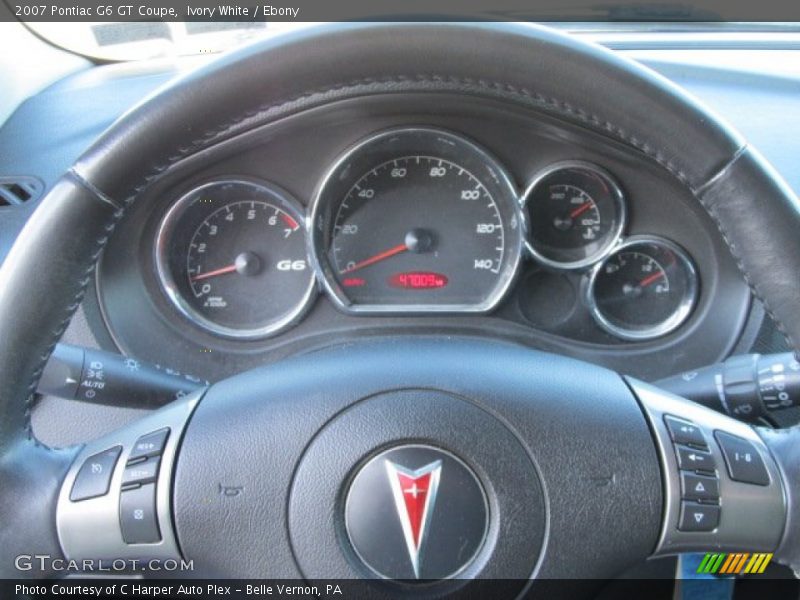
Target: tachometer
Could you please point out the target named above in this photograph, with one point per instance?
(416, 220)
(231, 256)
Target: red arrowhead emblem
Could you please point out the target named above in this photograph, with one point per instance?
(414, 495)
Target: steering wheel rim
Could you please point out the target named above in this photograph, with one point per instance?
(539, 69)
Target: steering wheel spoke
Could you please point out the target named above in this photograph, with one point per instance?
(115, 503)
(723, 490)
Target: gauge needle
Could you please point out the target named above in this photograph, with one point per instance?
(400, 248)
(651, 279)
(580, 210)
(215, 272)
(289, 221)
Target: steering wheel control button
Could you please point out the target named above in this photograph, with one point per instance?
(137, 515)
(699, 517)
(743, 460)
(695, 499)
(699, 487)
(94, 477)
(148, 445)
(691, 459)
(416, 512)
(141, 472)
(685, 432)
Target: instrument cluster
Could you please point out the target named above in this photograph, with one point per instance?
(414, 220)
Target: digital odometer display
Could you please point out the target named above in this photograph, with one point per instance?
(417, 210)
(418, 281)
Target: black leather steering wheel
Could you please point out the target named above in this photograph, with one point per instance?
(565, 469)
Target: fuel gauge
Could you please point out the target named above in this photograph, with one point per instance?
(645, 289)
(576, 213)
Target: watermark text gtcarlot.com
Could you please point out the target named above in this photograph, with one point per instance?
(45, 562)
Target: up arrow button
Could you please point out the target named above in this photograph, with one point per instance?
(699, 487)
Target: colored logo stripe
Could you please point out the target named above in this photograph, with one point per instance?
(758, 563)
(733, 563)
(710, 564)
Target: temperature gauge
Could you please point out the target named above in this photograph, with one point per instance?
(646, 288)
(576, 213)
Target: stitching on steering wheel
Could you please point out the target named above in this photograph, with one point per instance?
(373, 86)
(70, 311)
(712, 212)
(419, 82)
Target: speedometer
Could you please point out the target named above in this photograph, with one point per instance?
(416, 220)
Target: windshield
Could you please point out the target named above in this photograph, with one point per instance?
(123, 41)
(138, 41)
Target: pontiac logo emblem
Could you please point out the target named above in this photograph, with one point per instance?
(414, 494)
(416, 512)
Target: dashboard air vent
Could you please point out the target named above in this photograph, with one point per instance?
(19, 190)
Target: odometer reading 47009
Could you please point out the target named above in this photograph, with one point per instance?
(416, 220)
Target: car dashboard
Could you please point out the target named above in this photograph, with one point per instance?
(397, 214)
(406, 214)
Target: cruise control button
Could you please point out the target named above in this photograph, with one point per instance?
(151, 444)
(143, 472)
(743, 460)
(94, 476)
(699, 487)
(691, 459)
(684, 432)
(137, 515)
(698, 517)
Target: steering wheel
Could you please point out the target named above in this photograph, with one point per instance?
(446, 460)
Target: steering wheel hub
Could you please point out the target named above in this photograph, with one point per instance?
(479, 507)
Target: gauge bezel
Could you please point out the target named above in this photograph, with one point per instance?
(615, 235)
(678, 317)
(317, 231)
(166, 229)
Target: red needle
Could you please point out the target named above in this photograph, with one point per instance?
(214, 273)
(651, 278)
(400, 248)
(580, 210)
(289, 221)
